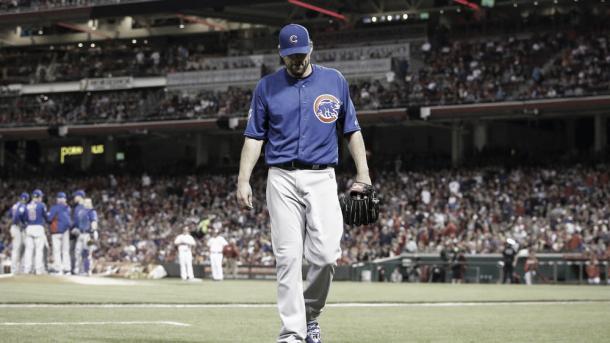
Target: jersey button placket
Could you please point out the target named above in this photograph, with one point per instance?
(303, 114)
(300, 153)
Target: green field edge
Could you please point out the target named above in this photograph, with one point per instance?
(246, 303)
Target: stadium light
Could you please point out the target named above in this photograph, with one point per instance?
(133, 41)
(181, 26)
(92, 45)
(389, 18)
(374, 19)
(405, 16)
(80, 45)
(40, 32)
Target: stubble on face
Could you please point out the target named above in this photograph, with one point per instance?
(297, 64)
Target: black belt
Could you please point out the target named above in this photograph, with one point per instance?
(295, 165)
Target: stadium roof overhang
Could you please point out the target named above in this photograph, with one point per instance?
(366, 118)
(541, 109)
(547, 108)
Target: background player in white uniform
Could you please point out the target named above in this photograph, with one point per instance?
(185, 242)
(35, 237)
(17, 232)
(298, 111)
(216, 243)
(60, 221)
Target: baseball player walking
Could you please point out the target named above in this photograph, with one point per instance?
(185, 243)
(35, 237)
(85, 225)
(60, 218)
(297, 111)
(17, 234)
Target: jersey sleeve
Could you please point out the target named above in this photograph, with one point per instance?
(257, 125)
(51, 214)
(348, 118)
(93, 215)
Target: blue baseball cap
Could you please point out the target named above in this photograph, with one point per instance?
(37, 193)
(24, 196)
(294, 39)
(79, 193)
(61, 195)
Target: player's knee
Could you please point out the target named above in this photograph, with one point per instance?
(323, 257)
(287, 262)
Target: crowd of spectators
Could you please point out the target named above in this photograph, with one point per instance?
(502, 69)
(140, 58)
(35, 5)
(556, 210)
(123, 106)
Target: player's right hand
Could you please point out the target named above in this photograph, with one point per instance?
(244, 194)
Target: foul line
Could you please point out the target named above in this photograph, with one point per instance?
(337, 305)
(92, 323)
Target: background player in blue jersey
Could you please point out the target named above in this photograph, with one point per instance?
(85, 224)
(17, 232)
(35, 216)
(296, 111)
(60, 221)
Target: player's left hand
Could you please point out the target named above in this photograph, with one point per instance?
(95, 235)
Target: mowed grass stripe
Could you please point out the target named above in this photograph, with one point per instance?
(273, 305)
(561, 323)
(47, 290)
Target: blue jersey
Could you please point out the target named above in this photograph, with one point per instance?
(16, 212)
(299, 117)
(83, 217)
(35, 213)
(59, 217)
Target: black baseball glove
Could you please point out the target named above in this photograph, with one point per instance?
(360, 206)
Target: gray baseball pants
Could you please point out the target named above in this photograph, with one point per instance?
(306, 221)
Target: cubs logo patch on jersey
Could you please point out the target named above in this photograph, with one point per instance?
(326, 108)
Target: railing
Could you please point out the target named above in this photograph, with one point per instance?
(552, 269)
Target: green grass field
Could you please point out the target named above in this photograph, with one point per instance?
(385, 313)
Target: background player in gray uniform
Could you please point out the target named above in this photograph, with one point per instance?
(297, 111)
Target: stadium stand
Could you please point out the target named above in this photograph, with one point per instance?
(552, 209)
(556, 65)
